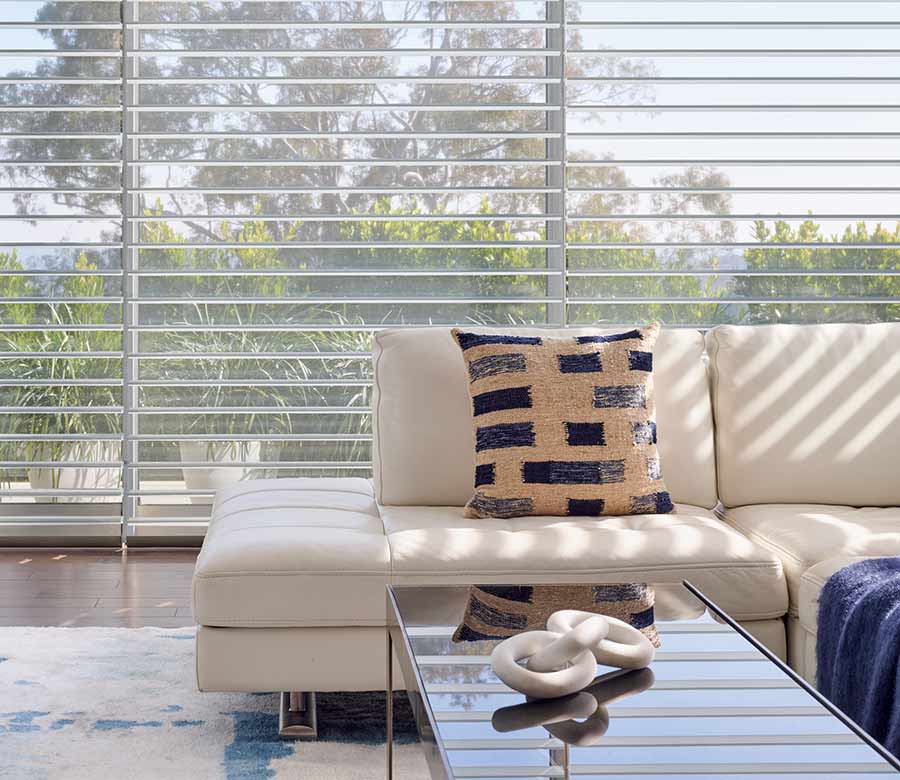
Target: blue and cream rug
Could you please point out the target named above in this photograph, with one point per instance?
(96, 703)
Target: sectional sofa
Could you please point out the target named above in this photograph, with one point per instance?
(780, 446)
(808, 452)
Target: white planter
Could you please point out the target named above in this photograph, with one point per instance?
(217, 477)
(77, 478)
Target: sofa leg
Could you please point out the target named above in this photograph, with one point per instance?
(297, 718)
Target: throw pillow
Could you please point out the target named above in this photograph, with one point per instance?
(500, 611)
(564, 426)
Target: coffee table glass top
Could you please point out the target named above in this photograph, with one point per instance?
(711, 705)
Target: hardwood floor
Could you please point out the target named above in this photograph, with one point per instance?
(68, 587)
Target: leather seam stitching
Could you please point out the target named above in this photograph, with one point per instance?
(696, 565)
(766, 542)
(384, 531)
(714, 371)
(287, 489)
(254, 625)
(220, 517)
(287, 573)
(295, 526)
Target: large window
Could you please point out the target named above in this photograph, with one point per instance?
(61, 281)
(210, 207)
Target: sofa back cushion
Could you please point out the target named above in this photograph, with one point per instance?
(424, 453)
(807, 414)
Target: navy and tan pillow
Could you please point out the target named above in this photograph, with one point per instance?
(564, 426)
(500, 611)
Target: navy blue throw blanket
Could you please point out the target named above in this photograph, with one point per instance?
(858, 646)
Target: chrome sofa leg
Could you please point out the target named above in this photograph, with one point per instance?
(297, 716)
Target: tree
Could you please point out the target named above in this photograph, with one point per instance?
(68, 127)
(867, 263)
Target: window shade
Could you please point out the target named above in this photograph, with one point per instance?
(305, 173)
(60, 264)
(733, 161)
(292, 176)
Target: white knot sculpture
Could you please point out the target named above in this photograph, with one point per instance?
(563, 659)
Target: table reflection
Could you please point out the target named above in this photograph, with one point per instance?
(580, 719)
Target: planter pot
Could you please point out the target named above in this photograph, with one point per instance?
(217, 477)
(77, 478)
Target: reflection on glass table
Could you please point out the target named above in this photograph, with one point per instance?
(714, 703)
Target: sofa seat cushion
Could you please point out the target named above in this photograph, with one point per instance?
(293, 552)
(803, 535)
(440, 545)
(810, 588)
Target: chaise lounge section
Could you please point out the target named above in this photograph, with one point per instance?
(289, 588)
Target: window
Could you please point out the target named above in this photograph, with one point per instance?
(733, 161)
(60, 265)
(243, 191)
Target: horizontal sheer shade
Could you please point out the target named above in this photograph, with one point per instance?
(732, 162)
(744, 201)
(378, 261)
(427, 310)
(258, 368)
(708, 313)
(289, 395)
(268, 423)
(91, 395)
(706, 261)
(862, 290)
(340, 288)
(305, 173)
(316, 449)
(748, 12)
(61, 323)
(728, 35)
(353, 145)
(286, 11)
(757, 65)
(209, 208)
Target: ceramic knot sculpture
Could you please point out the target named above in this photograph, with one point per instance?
(563, 659)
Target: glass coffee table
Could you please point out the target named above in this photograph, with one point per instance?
(714, 704)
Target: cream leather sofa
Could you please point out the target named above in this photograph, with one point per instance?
(289, 586)
(808, 451)
(805, 457)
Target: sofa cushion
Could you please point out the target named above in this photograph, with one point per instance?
(811, 584)
(807, 414)
(804, 535)
(293, 552)
(424, 454)
(439, 545)
(563, 426)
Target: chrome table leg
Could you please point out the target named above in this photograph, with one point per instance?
(389, 697)
(297, 716)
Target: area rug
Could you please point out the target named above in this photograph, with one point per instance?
(96, 703)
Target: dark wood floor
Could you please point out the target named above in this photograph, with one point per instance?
(69, 587)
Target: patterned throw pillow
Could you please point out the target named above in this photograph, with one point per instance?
(499, 611)
(564, 426)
